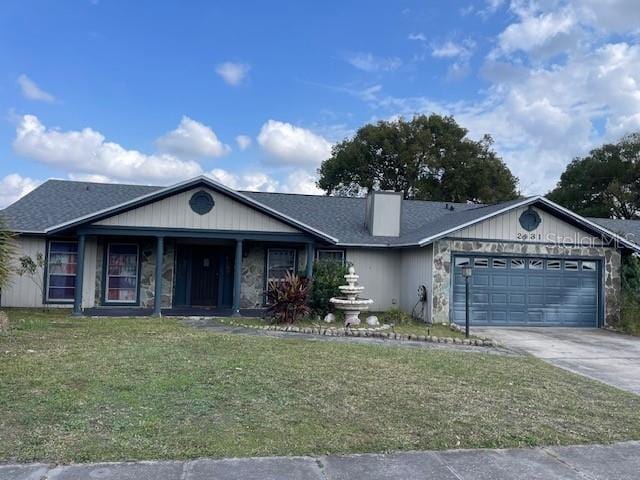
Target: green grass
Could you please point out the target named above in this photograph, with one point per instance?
(74, 389)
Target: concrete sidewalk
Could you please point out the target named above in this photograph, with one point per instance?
(596, 462)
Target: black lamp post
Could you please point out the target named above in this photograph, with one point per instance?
(466, 273)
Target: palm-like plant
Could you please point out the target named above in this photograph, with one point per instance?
(7, 251)
(287, 298)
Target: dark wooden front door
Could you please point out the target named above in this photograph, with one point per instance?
(204, 277)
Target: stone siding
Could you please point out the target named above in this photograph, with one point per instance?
(148, 273)
(253, 272)
(443, 249)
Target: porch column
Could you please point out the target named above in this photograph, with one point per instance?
(310, 259)
(157, 299)
(237, 279)
(77, 297)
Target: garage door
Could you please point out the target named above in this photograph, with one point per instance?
(513, 291)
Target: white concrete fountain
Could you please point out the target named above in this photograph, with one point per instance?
(350, 303)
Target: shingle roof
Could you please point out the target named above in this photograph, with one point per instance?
(629, 229)
(58, 201)
(343, 217)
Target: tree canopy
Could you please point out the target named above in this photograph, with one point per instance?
(605, 183)
(426, 158)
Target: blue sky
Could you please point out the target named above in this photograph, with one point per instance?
(254, 93)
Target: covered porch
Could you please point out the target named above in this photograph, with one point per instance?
(183, 272)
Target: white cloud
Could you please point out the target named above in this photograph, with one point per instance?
(535, 31)
(449, 50)
(370, 63)
(86, 152)
(291, 145)
(461, 54)
(252, 181)
(14, 186)
(295, 181)
(243, 141)
(233, 73)
(32, 91)
(419, 37)
(301, 181)
(192, 139)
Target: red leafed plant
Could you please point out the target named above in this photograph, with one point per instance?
(287, 298)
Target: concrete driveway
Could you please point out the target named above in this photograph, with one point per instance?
(610, 357)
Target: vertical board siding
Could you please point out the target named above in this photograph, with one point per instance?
(507, 227)
(416, 269)
(23, 291)
(175, 212)
(379, 272)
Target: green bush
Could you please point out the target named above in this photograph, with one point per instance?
(395, 316)
(630, 311)
(327, 277)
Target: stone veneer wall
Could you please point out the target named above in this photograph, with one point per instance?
(442, 250)
(252, 283)
(147, 273)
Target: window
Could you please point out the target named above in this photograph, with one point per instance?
(535, 264)
(570, 265)
(122, 273)
(330, 256)
(279, 262)
(499, 263)
(517, 263)
(462, 262)
(61, 271)
(553, 264)
(590, 266)
(481, 262)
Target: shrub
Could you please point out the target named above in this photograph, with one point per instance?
(287, 298)
(395, 316)
(327, 276)
(630, 311)
(7, 251)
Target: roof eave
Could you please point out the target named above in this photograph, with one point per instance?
(114, 210)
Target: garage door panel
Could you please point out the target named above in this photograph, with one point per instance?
(535, 281)
(502, 295)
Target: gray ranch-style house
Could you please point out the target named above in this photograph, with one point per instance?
(200, 246)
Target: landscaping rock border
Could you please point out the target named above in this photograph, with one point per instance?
(370, 332)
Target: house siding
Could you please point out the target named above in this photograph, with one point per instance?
(25, 292)
(379, 272)
(175, 212)
(416, 267)
(507, 227)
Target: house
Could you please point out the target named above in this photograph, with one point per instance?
(131, 249)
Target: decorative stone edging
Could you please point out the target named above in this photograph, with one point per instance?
(371, 332)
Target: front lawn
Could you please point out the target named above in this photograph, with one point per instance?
(74, 389)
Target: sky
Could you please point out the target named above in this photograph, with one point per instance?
(254, 93)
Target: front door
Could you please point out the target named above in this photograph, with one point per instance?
(204, 277)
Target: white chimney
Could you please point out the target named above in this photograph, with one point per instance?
(382, 215)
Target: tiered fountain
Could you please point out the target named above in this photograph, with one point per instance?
(350, 303)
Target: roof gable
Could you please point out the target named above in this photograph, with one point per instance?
(162, 193)
(175, 211)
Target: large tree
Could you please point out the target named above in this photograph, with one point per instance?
(605, 183)
(426, 158)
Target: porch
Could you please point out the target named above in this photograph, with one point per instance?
(178, 272)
